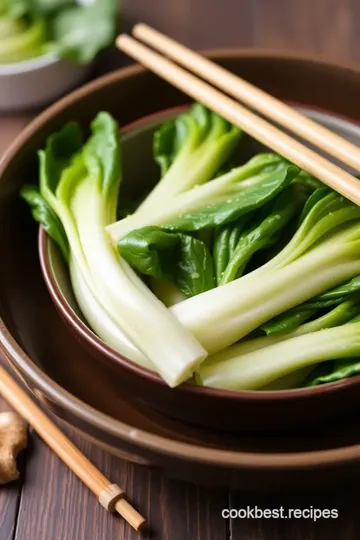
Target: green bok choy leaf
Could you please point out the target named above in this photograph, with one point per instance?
(333, 371)
(168, 256)
(261, 233)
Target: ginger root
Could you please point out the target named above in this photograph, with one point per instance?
(13, 439)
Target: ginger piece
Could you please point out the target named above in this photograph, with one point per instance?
(13, 439)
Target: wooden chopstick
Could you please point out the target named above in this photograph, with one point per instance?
(109, 495)
(305, 158)
(252, 96)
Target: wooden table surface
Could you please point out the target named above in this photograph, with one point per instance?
(49, 503)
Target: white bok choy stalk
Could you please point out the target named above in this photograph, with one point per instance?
(337, 316)
(101, 322)
(259, 368)
(79, 185)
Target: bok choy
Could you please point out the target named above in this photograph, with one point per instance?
(73, 30)
(242, 276)
(80, 183)
(316, 259)
(256, 369)
(190, 150)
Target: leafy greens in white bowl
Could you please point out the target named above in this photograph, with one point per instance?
(47, 47)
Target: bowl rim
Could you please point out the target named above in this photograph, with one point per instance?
(88, 335)
(85, 412)
(32, 64)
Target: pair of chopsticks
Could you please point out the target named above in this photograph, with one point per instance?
(296, 152)
(109, 495)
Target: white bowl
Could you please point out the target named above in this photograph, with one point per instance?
(38, 82)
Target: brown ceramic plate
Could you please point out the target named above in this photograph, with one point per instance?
(48, 356)
(203, 406)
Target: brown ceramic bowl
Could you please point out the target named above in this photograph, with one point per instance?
(57, 367)
(220, 409)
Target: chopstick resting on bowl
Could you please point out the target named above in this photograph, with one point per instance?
(271, 136)
(109, 495)
(252, 96)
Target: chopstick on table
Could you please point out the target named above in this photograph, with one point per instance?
(271, 136)
(252, 96)
(109, 495)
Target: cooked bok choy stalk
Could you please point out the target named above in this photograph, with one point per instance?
(101, 322)
(337, 316)
(226, 314)
(167, 292)
(256, 369)
(80, 182)
(92, 310)
(295, 379)
(290, 320)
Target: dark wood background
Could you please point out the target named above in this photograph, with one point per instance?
(49, 503)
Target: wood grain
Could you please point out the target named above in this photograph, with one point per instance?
(325, 27)
(68, 510)
(54, 504)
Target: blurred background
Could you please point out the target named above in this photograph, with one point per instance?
(325, 27)
(77, 30)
